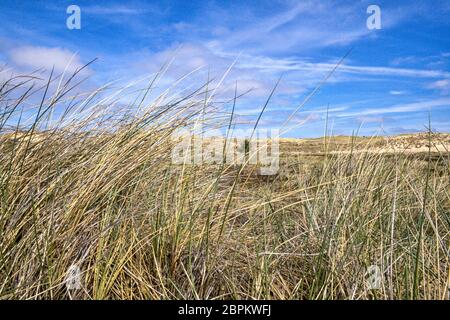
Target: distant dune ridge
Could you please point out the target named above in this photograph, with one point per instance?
(404, 143)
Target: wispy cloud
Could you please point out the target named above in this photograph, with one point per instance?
(365, 119)
(296, 65)
(442, 85)
(396, 92)
(118, 9)
(258, 73)
(401, 108)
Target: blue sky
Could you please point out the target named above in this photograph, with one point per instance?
(390, 81)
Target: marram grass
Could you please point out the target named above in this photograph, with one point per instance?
(85, 182)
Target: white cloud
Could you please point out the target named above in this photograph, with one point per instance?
(365, 119)
(400, 108)
(32, 58)
(306, 25)
(113, 10)
(396, 92)
(405, 60)
(267, 25)
(261, 62)
(442, 85)
(213, 64)
(259, 73)
(376, 71)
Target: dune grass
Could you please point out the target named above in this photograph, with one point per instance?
(94, 186)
